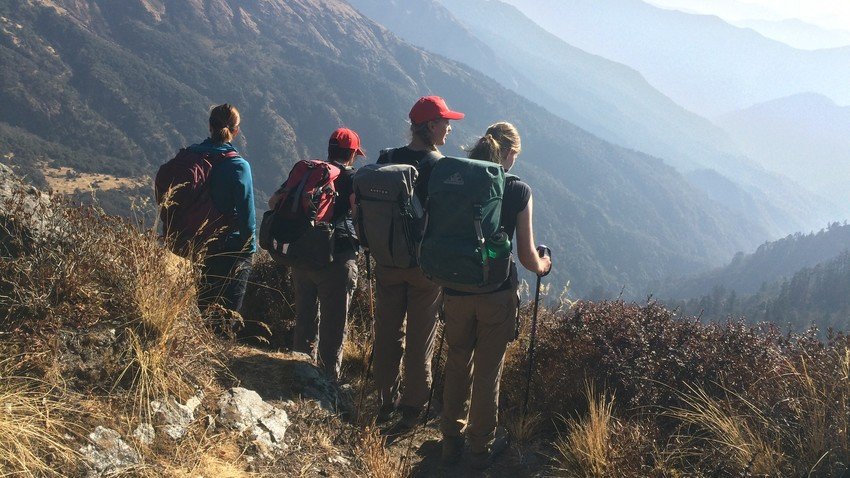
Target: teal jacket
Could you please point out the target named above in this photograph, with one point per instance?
(232, 191)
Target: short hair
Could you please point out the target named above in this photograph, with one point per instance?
(340, 154)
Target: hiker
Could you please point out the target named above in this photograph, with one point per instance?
(213, 214)
(402, 290)
(479, 326)
(331, 286)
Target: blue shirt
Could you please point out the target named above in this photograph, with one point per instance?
(232, 191)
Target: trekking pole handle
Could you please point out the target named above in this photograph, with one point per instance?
(544, 251)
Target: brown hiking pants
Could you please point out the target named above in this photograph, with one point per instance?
(331, 289)
(478, 329)
(400, 293)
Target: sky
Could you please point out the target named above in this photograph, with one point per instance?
(830, 14)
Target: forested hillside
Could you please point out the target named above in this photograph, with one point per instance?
(798, 281)
(813, 296)
(771, 262)
(119, 86)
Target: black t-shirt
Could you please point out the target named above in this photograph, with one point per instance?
(343, 224)
(514, 201)
(423, 161)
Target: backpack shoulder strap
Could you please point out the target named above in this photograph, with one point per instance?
(511, 177)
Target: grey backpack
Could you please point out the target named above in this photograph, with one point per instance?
(389, 216)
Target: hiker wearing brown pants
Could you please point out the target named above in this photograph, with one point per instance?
(403, 348)
(480, 325)
(483, 324)
(403, 292)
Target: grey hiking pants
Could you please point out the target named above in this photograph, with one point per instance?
(331, 289)
(404, 344)
(478, 329)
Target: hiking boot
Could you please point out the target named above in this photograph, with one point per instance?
(386, 413)
(483, 460)
(452, 450)
(410, 416)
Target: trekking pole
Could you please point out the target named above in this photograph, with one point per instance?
(542, 251)
(437, 368)
(365, 377)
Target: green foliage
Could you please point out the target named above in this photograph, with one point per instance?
(692, 399)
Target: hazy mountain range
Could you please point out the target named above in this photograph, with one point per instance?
(805, 136)
(700, 61)
(798, 33)
(608, 99)
(119, 86)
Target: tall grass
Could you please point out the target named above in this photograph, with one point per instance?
(33, 433)
(585, 449)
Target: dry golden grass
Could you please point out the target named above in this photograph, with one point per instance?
(65, 180)
(523, 429)
(749, 441)
(585, 449)
(377, 460)
(208, 456)
(32, 429)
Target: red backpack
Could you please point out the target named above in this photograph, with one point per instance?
(190, 220)
(298, 231)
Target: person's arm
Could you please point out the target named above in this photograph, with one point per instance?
(526, 250)
(243, 199)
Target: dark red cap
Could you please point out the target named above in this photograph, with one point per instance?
(346, 139)
(430, 108)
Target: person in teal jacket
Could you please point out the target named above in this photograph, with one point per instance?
(227, 265)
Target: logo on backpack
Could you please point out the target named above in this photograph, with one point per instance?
(298, 231)
(190, 220)
(464, 247)
(455, 180)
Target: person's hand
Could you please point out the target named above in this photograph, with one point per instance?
(544, 266)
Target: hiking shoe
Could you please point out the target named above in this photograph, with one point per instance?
(483, 460)
(386, 413)
(452, 450)
(410, 416)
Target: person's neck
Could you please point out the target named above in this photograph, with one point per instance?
(347, 164)
(416, 144)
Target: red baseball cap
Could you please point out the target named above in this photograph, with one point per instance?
(430, 108)
(346, 139)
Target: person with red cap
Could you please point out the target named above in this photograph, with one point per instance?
(405, 292)
(332, 286)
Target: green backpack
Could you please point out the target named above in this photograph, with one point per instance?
(464, 247)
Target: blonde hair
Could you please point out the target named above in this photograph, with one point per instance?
(224, 119)
(500, 138)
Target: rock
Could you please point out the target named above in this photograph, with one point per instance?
(177, 417)
(145, 433)
(244, 410)
(108, 453)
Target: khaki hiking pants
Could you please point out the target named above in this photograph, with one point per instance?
(331, 289)
(478, 329)
(400, 293)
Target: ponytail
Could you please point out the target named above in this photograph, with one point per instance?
(500, 139)
(486, 149)
(224, 119)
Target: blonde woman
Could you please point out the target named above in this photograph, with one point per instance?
(479, 326)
